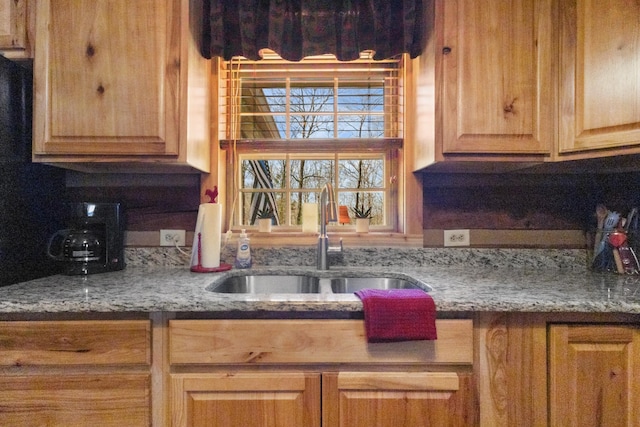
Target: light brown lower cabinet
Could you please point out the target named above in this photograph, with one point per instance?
(75, 373)
(75, 400)
(317, 373)
(390, 399)
(277, 399)
(348, 399)
(594, 375)
(558, 369)
(497, 370)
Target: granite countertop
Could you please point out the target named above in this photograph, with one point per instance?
(454, 289)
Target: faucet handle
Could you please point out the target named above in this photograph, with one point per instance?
(335, 249)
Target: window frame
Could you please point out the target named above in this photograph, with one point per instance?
(394, 152)
(244, 150)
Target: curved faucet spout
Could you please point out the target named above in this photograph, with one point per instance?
(328, 212)
(328, 209)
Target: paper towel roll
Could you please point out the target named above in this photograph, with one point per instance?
(206, 240)
(310, 217)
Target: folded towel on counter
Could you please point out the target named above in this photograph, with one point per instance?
(398, 314)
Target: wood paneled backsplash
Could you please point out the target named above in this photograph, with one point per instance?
(553, 210)
(504, 202)
(151, 201)
(507, 202)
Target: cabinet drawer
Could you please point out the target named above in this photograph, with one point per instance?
(76, 400)
(75, 343)
(310, 341)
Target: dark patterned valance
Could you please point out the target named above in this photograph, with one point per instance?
(298, 28)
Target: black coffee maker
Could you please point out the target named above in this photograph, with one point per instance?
(93, 241)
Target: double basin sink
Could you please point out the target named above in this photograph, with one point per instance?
(309, 284)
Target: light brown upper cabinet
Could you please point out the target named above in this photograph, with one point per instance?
(599, 78)
(496, 77)
(120, 85)
(492, 85)
(15, 29)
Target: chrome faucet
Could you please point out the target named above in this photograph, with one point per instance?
(328, 212)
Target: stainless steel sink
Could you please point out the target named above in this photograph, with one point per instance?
(274, 284)
(303, 284)
(348, 285)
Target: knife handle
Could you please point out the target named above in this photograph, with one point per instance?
(628, 260)
(618, 259)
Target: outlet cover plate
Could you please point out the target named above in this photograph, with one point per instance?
(456, 238)
(171, 237)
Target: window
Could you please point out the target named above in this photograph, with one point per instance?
(292, 127)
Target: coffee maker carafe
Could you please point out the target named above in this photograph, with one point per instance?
(93, 241)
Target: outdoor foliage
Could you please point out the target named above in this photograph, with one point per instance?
(295, 179)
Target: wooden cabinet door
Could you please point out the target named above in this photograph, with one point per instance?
(397, 399)
(14, 28)
(278, 399)
(75, 373)
(101, 68)
(120, 81)
(497, 81)
(594, 375)
(599, 79)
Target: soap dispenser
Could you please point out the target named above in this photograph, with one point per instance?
(243, 255)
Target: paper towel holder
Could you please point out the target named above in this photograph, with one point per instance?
(196, 257)
(198, 268)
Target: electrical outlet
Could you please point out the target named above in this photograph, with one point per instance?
(172, 237)
(456, 238)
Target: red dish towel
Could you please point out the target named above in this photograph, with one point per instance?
(398, 314)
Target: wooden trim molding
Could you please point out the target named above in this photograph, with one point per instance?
(496, 346)
(557, 239)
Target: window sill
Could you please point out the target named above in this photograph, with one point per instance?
(349, 239)
(291, 238)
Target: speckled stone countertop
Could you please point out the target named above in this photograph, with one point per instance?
(549, 281)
